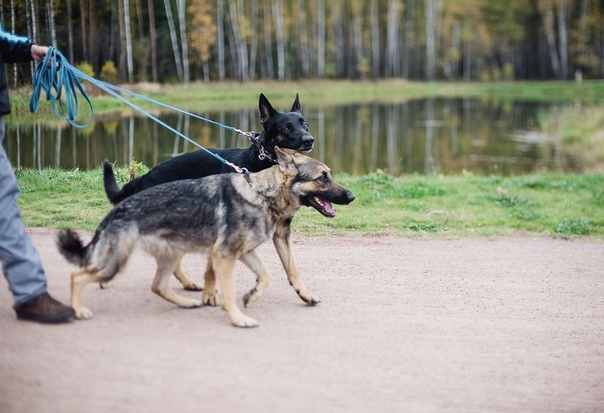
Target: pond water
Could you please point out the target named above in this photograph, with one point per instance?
(423, 136)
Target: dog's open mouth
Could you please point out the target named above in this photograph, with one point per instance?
(307, 147)
(322, 205)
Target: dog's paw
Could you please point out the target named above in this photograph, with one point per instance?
(245, 322)
(311, 300)
(193, 286)
(210, 299)
(83, 313)
(190, 303)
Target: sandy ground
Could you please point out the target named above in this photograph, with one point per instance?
(471, 325)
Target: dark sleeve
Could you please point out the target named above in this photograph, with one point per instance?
(15, 48)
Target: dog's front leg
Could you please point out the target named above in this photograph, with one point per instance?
(282, 242)
(223, 268)
(253, 261)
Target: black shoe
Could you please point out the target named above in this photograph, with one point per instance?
(44, 309)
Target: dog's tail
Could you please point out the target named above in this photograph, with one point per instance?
(71, 247)
(114, 193)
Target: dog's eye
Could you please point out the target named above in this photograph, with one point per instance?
(287, 128)
(305, 125)
(324, 178)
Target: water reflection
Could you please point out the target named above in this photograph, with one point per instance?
(424, 136)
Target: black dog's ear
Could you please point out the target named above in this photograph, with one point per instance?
(266, 109)
(296, 105)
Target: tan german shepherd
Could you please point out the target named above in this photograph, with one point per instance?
(226, 215)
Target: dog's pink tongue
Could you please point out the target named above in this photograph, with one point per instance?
(329, 208)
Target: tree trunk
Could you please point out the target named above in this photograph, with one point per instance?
(375, 39)
(551, 37)
(409, 42)
(433, 10)
(180, 7)
(153, 41)
(69, 32)
(392, 63)
(50, 9)
(254, 40)
(84, 28)
(128, 40)
(278, 16)
(173, 39)
(320, 39)
(267, 70)
(563, 40)
(220, 35)
(304, 54)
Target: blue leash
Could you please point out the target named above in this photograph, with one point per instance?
(61, 82)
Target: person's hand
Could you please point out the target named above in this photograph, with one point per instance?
(38, 53)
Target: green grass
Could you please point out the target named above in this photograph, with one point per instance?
(413, 205)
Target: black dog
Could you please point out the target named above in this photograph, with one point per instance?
(283, 129)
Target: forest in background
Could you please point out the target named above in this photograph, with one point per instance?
(179, 41)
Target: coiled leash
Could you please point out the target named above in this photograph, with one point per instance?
(61, 82)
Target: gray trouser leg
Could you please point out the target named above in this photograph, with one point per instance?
(20, 259)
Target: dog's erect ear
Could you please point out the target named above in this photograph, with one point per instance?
(266, 109)
(285, 158)
(296, 105)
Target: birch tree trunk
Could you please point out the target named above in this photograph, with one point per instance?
(392, 63)
(50, 10)
(254, 40)
(128, 39)
(173, 39)
(181, 7)
(548, 16)
(278, 16)
(320, 38)
(268, 49)
(220, 35)
(375, 39)
(304, 54)
(433, 10)
(563, 39)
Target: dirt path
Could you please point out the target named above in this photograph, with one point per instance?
(472, 325)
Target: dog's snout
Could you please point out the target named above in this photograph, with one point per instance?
(349, 197)
(308, 140)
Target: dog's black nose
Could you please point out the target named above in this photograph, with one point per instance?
(308, 140)
(349, 197)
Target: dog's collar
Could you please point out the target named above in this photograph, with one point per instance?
(262, 153)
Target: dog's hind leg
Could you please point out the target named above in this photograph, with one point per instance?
(282, 242)
(253, 261)
(161, 283)
(223, 268)
(79, 279)
(186, 282)
(209, 296)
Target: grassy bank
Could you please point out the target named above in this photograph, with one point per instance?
(231, 95)
(450, 206)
